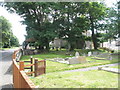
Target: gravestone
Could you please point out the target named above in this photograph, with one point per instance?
(84, 54)
(110, 57)
(95, 53)
(89, 53)
(77, 54)
(77, 60)
(81, 59)
(73, 60)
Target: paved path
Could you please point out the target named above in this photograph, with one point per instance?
(92, 68)
(6, 69)
(114, 70)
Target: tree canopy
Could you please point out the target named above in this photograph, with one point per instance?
(67, 20)
(8, 39)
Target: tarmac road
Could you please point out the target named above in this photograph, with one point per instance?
(6, 79)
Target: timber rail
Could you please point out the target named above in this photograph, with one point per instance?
(20, 78)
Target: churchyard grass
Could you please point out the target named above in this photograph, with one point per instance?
(118, 66)
(88, 79)
(56, 66)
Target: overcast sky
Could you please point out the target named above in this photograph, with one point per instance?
(19, 29)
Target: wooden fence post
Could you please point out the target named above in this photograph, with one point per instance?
(21, 65)
(36, 66)
(31, 58)
(45, 66)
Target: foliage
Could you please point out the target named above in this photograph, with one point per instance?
(5, 30)
(14, 41)
(95, 13)
(111, 26)
(67, 20)
(8, 39)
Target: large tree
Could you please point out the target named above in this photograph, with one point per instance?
(69, 23)
(8, 39)
(36, 17)
(5, 30)
(112, 25)
(62, 19)
(95, 12)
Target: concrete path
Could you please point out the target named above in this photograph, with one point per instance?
(114, 70)
(6, 80)
(92, 68)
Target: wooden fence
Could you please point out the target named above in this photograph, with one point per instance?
(30, 66)
(20, 79)
(39, 67)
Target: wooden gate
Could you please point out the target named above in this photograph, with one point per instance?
(30, 66)
(40, 67)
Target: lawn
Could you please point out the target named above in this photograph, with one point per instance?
(88, 79)
(118, 66)
(56, 67)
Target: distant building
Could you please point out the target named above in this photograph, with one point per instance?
(59, 43)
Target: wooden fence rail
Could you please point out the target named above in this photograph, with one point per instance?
(20, 79)
(39, 67)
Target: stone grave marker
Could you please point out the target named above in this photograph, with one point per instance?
(89, 53)
(84, 54)
(81, 59)
(73, 60)
(77, 54)
(95, 53)
(77, 60)
(110, 57)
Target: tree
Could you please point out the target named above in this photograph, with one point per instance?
(8, 39)
(67, 20)
(5, 30)
(69, 23)
(112, 23)
(14, 41)
(95, 12)
(35, 16)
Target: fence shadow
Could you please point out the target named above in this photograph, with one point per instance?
(9, 71)
(7, 87)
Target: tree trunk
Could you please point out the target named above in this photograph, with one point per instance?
(47, 46)
(41, 48)
(71, 46)
(102, 44)
(94, 39)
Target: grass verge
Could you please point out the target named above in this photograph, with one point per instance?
(56, 67)
(88, 79)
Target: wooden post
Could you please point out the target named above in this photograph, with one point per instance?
(36, 66)
(31, 58)
(21, 65)
(45, 65)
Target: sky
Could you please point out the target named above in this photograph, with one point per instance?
(19, 29)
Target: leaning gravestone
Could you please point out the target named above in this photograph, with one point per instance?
(77, 54)
(89, 53)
